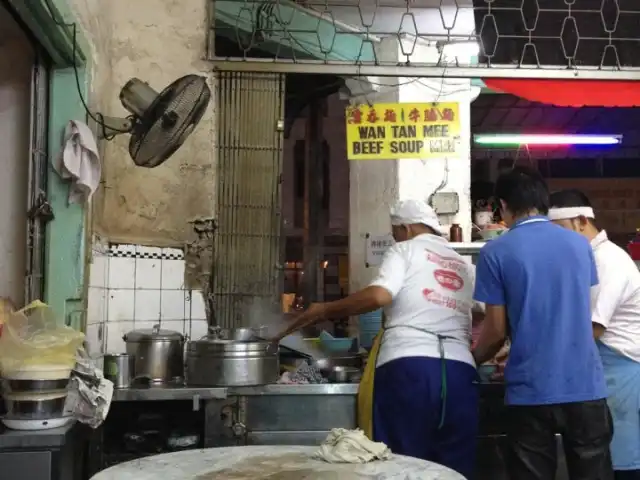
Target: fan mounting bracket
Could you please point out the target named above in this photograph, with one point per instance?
(106, 127)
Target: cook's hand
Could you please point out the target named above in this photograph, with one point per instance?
(311, 315)
(503, 354)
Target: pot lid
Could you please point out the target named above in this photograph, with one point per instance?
(210, 344)
(149, 334)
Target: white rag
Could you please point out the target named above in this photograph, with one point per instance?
(79, 161)
(351, 446)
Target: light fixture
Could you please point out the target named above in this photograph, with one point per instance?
(497, 139)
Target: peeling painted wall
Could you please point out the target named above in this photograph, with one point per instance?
(157, 41)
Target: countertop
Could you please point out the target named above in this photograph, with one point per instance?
(176, 392)
(21, 439)
(267, 462)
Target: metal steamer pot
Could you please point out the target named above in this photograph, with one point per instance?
(218, 362)
(159, 355)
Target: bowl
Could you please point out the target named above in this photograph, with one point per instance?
(491, 233)
(345, 375)
(330, 344)
(486, 371)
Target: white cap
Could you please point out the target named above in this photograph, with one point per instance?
(409, 212)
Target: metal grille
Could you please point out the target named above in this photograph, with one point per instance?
(247, 241)
(37, 201)
(596, 39)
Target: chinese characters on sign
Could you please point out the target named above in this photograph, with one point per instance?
(403, 130)
(376, 248)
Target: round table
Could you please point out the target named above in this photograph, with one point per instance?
(269, 462)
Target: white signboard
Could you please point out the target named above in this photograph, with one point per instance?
(376, 246)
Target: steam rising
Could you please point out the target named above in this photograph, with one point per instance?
(268, 320)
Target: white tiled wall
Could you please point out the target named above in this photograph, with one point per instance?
(133, 287)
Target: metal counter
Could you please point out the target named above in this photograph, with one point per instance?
(264, 415)
(55, 454)
(156, 393)
(280, 414)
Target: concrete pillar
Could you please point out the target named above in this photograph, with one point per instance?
(376, 184)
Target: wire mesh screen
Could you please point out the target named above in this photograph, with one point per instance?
(247, 241)
(514, 38)
(38, 207)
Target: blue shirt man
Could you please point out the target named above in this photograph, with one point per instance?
(543, 275)
(536, 282)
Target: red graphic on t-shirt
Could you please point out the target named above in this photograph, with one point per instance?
(446, 301)
(449, 263)
(449, 280)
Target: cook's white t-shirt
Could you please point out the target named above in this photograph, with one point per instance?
(617, 297)
(432, 288)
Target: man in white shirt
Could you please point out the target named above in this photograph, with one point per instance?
(616, 326)
(425, 399)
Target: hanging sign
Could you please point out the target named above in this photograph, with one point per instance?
(403, 130)
(376, 248)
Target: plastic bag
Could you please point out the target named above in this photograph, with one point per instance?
(6, 309)
(365, 390)
(33, 341)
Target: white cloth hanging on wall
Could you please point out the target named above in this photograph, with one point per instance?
(79, 161)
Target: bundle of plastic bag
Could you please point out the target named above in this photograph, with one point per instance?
(32, 338)
(90, 394)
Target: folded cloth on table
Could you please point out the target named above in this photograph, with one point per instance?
(90, 394)
(304, 374)
(351, 446)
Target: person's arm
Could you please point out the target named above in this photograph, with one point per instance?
(477, 308)
(490, 291)
(378, 294)
(366, 300)
(608, 287)
(493, 334)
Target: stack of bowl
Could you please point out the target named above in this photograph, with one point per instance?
(35, 397)
(369, 324)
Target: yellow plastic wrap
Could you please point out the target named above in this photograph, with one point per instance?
(32, 339)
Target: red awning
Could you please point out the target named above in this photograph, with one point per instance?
(571, 93)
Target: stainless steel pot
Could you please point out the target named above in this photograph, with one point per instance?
(18, 386)
(345, 375)
(35, 406)
(159, 355)
(212, 362)
(120, 369)
(244, 334)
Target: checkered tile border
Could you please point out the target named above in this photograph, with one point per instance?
(137, 251)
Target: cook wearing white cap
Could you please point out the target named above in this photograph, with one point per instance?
(616, 326)
(424, 398)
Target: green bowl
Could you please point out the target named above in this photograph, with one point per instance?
(491, 234)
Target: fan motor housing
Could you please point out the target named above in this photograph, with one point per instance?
(137, 96)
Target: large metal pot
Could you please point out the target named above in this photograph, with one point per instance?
(243, 334)
(215, 362)
(159, 355)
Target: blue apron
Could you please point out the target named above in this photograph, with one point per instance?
(623, 384)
